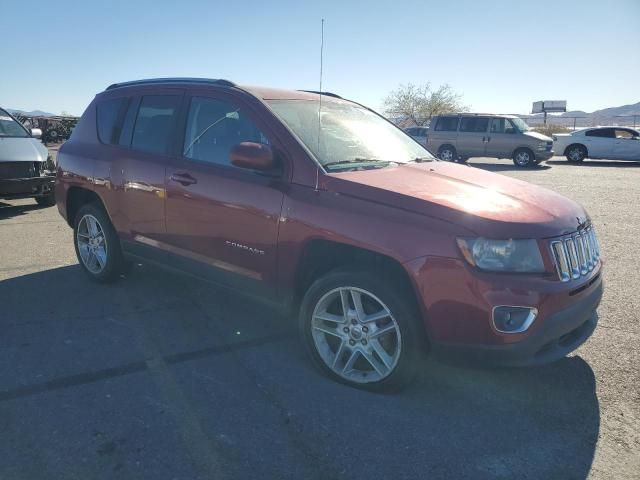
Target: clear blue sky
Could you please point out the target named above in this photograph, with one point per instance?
(501, 55)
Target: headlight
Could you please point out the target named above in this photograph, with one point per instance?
(502, 255)
(541, 146)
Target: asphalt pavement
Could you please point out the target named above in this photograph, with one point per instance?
(160, 376)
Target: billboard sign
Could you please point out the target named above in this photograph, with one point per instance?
(549, 106)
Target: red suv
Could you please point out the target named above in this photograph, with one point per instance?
(320, 206)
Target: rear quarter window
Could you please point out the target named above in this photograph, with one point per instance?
(447, 124)
(107, 114)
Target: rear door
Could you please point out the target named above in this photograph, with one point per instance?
(502, 138)
(627, 146)
(473, 136)
(222, 221)
(138, 154)
(600, 142)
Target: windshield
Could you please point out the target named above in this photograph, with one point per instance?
(520, 124)
(9, 127)
(348, 134)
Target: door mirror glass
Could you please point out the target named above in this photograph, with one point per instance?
(36, 133)
(251, 155)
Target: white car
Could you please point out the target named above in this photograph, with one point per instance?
(612, 143)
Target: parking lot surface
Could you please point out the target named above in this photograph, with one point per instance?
(160, 376)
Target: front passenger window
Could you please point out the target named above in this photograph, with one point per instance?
(214, 127)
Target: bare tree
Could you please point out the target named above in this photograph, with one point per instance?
(418, 103)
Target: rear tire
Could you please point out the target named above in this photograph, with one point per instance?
(97, 244)
(48, 200)
(576, 153)
(447, 153)
(376, 347)
(524, 158)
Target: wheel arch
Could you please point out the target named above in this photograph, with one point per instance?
(320, 256)
(76, 198)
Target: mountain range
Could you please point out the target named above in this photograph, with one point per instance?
(33, 113)
(623, 115)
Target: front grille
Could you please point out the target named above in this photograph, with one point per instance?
(576, 255)
(10, 170)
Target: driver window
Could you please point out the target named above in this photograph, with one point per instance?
(624, 134)
(214, 127)
(502, 125)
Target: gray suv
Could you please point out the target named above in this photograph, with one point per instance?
(458, 137)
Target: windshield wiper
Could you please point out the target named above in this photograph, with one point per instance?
(424, 159)
(356, 162)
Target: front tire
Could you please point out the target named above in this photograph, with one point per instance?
(97, 244)
(524, 158)
(361, 330)
(576, 153)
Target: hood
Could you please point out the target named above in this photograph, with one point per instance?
(488, 204)
(537, 136)
(25, 149)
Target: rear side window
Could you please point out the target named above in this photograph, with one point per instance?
(474, 124)
(602, 132)
(107, 114)
(447, 124)
(127, 123)
(154, 127)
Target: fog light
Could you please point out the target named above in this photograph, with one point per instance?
(508, 319)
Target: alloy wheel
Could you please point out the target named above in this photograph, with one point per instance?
(356, 335)
(446, 155)
(576, 154)
(92, 244)
(523, 158)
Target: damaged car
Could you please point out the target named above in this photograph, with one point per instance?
(26, 169)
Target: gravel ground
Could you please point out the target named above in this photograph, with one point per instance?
(160, 376)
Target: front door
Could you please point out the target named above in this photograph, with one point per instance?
(222, 221)
(600, 142)
(138, 161)
(627, 146)
(473, 136)
(501, 139)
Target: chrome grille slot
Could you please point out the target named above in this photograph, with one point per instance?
(575, 255)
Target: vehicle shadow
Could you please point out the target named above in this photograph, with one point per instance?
(597, 163)
(454, 422)
(499, 167)
(8, 210)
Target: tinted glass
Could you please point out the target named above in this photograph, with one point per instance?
(447, 124)
(107, 118)
(214, 127)
(155, 122)
(602, 132)
(474, 124)
(128, 122)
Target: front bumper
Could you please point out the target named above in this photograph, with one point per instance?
(542, 155)
(26, 187)
(559, 334)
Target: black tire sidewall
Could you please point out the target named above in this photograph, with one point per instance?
(530, 163)
(48, 200)
(403, 309)
(577, 147)
(115, 262)
(453, 153)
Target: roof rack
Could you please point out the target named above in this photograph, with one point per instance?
(328, 94)
(153, 81)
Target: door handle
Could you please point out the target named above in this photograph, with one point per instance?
(183, 178)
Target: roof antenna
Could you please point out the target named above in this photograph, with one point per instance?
(320, 94)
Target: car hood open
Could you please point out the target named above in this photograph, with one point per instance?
(489, 204)
(25, 149)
